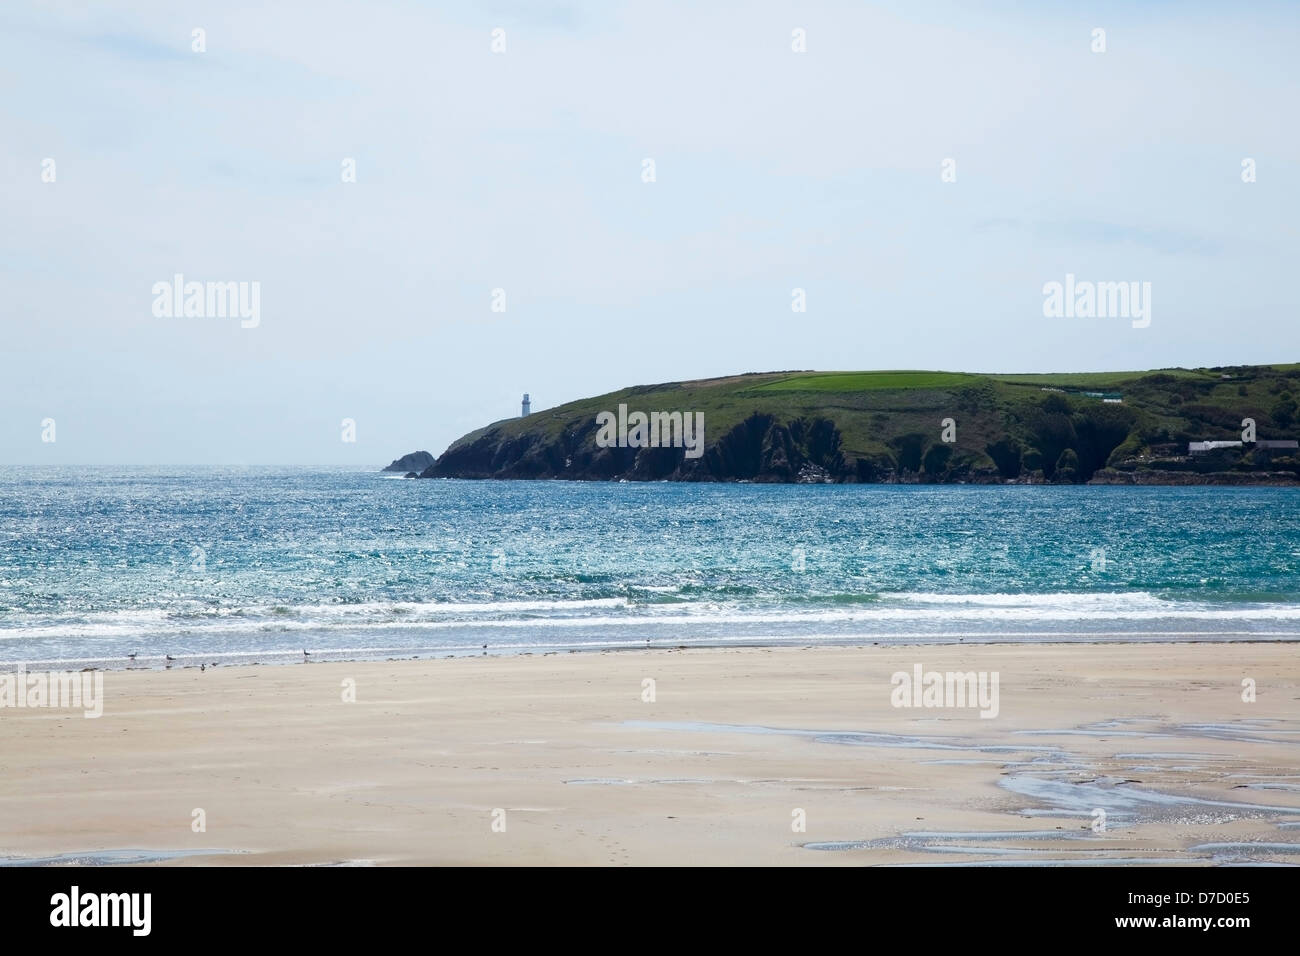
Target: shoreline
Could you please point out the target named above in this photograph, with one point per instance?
(285, 658)
(586, 771)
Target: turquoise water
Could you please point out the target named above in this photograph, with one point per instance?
(221, 565)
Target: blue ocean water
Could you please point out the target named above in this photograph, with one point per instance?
(237, 564)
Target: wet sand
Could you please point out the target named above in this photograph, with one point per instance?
(558, 759)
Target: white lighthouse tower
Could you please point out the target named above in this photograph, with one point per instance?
(526, 406)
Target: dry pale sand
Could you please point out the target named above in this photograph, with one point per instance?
(587, 772)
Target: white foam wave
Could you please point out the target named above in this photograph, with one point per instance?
(977, 611)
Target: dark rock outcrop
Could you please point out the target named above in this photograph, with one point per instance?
(416, 461)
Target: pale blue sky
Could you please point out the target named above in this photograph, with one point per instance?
(522, 171)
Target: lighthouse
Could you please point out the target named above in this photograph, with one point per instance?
(527, 404)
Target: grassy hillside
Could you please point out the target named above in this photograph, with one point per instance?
(886, 426)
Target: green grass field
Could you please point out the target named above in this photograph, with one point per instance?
(866, 381)
(908, 379)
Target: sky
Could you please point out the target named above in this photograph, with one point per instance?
(523, 169)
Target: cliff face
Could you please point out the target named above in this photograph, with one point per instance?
(759, 448)
(907, 427)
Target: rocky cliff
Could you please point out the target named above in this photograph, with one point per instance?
(902, 427)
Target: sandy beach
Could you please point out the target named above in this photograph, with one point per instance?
(565, 759)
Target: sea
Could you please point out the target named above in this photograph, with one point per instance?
(235, 565)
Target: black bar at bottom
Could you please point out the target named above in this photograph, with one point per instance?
(333, 905)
